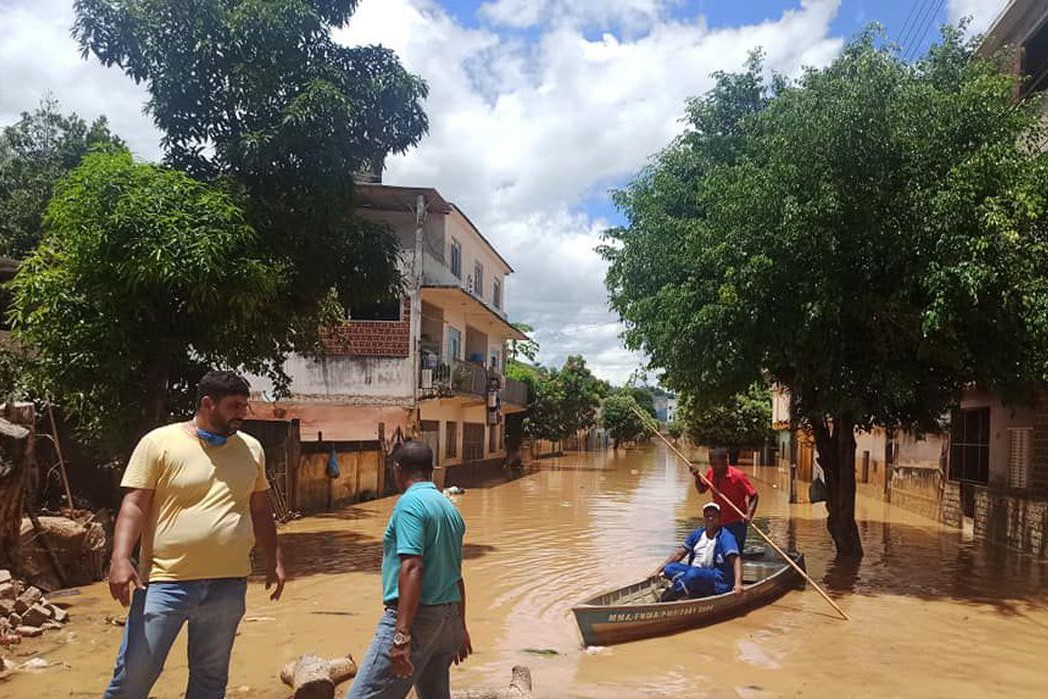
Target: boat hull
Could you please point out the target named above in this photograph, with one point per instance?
(622, 615)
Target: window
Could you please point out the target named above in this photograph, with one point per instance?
(496, 293)
(456, 258)
(451, 440)
(494, 360)
(970, 445)
(1019, 457)
(478, 279)
(454, 344)
(388, 309)
(493, 438)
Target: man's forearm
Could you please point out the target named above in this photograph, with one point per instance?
(409, 591)
(752, 510)
(265, 528)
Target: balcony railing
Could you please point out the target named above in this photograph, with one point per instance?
(446, 379)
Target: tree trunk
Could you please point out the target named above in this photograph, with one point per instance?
(316, 678)
(835, 444)
(16, 462)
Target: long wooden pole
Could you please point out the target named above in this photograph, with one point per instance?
(654, 428)
(61, 461)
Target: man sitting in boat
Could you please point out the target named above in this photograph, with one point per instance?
(714, 565)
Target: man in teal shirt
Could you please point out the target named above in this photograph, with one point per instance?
(423, 629)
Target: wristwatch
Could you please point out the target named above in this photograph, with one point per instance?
(401, 638)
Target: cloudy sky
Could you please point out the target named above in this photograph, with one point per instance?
(537, 109)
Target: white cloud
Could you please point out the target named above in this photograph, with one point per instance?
(38, 57)
(523, 129)
(634, 14)
(982, 12)
(521, 133)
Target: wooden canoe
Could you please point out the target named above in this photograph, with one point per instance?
(633, 612)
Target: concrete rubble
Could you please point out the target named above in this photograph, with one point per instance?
(25, 611)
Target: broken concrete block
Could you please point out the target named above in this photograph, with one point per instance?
(36, 615)
(7, 608)
(29, 631)
(20, 606)
(5, 576)
(7, 591)
(31, 596)
(60, 615)
(14, 620)
(51, 625)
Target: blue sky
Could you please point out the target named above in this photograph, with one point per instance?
(537, 108)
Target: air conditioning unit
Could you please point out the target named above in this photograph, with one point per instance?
(1019, 457)
(427, 379)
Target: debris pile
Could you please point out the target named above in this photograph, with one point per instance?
(25, 612)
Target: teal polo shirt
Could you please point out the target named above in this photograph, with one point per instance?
(424, 523)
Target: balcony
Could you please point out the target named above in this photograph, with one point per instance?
(458, 378)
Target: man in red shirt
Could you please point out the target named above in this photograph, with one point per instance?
(735, 487)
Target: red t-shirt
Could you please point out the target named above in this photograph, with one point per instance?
(736, 487)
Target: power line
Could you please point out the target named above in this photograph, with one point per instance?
(915, 49)
(922, 9)
(906, 24)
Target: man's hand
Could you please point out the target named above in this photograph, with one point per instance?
(657, 573)
(122, 579)
(466, 649)
(275, 575)
(400, 661)
(738, 588)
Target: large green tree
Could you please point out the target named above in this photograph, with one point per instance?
(35, 152)
(870, 236)
(145, 279)
(618, 415)
(258, 93)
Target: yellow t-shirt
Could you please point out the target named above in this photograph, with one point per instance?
(200, 523)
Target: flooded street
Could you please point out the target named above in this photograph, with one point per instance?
(933, 615)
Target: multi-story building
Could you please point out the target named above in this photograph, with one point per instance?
(430, 364)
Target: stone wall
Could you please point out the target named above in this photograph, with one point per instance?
(917, 490)
(1016, 519)
(1039, 457)
(371, 338)
(950, 508)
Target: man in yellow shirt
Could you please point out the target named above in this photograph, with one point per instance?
(196, 498)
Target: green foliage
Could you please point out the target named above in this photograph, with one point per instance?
(871, 237)
(676, 429)
(743, 421)
(523, 349)
(35, 152)
(619, 418)
(258, 93)
(145, 279)
(566, 401)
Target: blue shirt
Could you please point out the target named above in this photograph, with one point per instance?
(424, 523)
(725, 546)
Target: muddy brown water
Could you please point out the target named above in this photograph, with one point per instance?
(933, 614)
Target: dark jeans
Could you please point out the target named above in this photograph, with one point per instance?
(738, 530)
(436, 636)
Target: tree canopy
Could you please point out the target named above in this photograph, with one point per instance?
(145, 279)
(258, 93)
(618, 414)
(870, 236)
(35, 152)
(566, 400)
(742, 421)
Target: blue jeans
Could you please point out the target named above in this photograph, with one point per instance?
(212, 608)
(436, 636)
(695, 582)
(738, 530)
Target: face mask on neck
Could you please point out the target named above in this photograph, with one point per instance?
(215, 440)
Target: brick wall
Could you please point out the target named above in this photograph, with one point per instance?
(1013, 518)
(371, 338)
